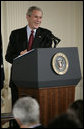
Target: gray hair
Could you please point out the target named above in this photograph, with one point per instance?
(30, 10)
(26, 109)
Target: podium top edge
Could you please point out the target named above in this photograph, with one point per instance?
(24, 54)
(37, 49)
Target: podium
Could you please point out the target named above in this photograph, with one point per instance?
(34, 75)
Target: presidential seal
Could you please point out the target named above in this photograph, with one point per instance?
(60, 63)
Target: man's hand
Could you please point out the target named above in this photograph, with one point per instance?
(23, 52)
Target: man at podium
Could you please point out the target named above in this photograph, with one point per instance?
(27, 38)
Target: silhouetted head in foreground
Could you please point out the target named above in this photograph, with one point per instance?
(65, 121)
(77, 108)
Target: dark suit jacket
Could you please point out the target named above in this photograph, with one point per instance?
(39, 126)
(18, 42)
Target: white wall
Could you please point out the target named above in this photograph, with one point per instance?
(64, 18)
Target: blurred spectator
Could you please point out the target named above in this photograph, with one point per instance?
(65, 121)
(77, 108)
(27, 113)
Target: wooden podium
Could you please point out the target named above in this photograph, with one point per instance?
(34, 76)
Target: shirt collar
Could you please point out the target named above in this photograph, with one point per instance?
(29, 32)
(29, 29)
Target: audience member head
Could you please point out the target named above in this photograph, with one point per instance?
(65, 121)
(26, 111)
(77, 108)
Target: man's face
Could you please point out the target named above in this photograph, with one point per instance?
(35, 19)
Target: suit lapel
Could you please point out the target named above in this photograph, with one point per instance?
(25, 40)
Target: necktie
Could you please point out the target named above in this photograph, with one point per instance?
(30, 40)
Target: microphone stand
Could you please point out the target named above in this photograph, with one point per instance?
(55, 40)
